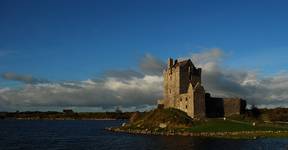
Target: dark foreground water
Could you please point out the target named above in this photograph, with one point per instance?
(79, 135)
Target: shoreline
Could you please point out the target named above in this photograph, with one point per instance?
(224, 134)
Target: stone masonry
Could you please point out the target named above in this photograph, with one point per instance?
(183, 90)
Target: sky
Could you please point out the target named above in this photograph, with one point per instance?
(95, 55)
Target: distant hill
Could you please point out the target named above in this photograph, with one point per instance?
(70, 115)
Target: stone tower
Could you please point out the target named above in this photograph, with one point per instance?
(183, 89)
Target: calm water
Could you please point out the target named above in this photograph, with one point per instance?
(78, 135)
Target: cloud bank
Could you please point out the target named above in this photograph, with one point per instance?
(130, 89)
(139, 90)
(248, 84)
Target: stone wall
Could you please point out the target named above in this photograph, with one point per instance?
(199, 101)
(233, 106)
(184, 78)
(220, 107)
(184, 103)
(214, 106)
(171, 86)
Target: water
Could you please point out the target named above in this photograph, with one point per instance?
(89, 135)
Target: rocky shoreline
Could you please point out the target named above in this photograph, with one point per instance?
(234, 134)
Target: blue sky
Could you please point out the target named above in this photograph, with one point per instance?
(77, 40)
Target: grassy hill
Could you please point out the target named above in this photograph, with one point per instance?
(160, 118)
(174, 119)
(176, 122)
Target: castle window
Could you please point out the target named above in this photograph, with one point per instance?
(186, 99)
(170, 91)
(186, 106)
(180, 99)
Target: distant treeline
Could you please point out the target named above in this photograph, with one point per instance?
(266, 115)
(272, 115)
(51, 115)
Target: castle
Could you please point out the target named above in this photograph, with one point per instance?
(183, 90)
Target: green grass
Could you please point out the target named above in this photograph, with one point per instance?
(179, 122)
(220, 125)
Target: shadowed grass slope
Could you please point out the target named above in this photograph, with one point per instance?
(170, 118)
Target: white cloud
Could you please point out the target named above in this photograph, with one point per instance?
(140, 90)
(3, 90)
(207, 57)
(109, 93)
(248, 84)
